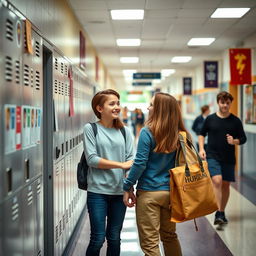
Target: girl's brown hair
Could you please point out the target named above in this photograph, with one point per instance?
(165, 122)
(99, 99)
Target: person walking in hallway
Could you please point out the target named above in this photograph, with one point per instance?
(109, 155)
(155, 156)
(224, 131)
(199, 121)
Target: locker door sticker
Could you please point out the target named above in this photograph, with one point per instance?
(10, 128)
(18, 127)
(26, 126)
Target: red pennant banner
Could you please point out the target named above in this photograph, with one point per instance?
(240, 66)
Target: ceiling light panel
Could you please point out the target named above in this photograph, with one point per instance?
(201, 41)
(167, 72)
(129, 59)
(128, 42)
(127, 14)
(181, 59)
(229, 12)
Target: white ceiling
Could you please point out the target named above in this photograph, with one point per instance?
(167, 27)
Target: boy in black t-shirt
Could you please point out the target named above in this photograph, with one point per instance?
(224, 131)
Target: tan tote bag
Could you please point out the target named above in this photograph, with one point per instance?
(191, 190)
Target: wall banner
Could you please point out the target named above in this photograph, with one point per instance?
(210, 74)
(240, 66)
(187, 85)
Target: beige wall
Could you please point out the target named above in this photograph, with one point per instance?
(57, 22)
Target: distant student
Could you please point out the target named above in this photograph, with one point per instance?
(224, 131)
(199, 121)
(156, 153)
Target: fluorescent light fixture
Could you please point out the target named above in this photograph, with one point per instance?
(167, 72)
(129, 59)
(181, 59)
(127, 14)
(201, 41)
(229, 12)
(129, 72)
(128, 42)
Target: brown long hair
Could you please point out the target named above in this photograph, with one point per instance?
(165, 122)
(99, 99)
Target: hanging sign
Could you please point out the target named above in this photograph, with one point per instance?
(240, 66)
(187, 85)
(210, 74)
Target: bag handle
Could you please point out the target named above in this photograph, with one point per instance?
(182, 143)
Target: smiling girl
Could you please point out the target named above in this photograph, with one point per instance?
(109, 155)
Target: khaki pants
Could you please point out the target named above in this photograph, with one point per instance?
(153, 219)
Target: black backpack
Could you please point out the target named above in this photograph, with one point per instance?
(82, 166)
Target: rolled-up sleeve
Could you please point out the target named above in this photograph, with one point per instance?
(90, 149)
(141, 160)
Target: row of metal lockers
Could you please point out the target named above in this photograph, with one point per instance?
(39, 205)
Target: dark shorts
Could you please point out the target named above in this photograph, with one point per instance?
(227, 171)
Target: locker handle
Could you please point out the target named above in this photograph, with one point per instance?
(9, 179)
(57, 151)
(27, 169)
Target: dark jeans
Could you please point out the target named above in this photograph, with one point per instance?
(104, 208)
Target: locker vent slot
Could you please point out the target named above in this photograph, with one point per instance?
(8, 69)
(9, 30)
(55, 86)
(38, 188)
(31, 77)
(37, 80)
(26, 75)
(56, 234)
(61, 88)
(39, 253)
(63, 222)
(37, 46)
(56, 64)
(30, 198)
(17, 72)
(15, 211)
(60, 228)
(66, 70)
(62, 67)
(66, 215)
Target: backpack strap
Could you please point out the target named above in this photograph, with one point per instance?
(123, 133)
(95, 129)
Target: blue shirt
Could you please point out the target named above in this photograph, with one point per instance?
(150, 169)
(108, 144)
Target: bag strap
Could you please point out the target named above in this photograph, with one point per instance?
(182, 141)
(123, 133)
(95, 129)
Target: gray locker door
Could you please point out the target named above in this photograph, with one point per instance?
(38, 217)
(28, 221)
(13, 226)
(11, 42)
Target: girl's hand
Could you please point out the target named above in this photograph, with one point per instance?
(127, 165)
(129, 199)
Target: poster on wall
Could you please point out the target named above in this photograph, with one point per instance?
(10, 128)
(248, 104)
(82, 50)
(210, 74)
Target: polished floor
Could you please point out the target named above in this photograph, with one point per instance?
(238, 238)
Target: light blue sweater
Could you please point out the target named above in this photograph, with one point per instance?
(109, 144)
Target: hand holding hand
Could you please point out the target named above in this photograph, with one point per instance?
(129, 199)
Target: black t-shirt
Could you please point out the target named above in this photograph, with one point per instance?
(217, 128)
